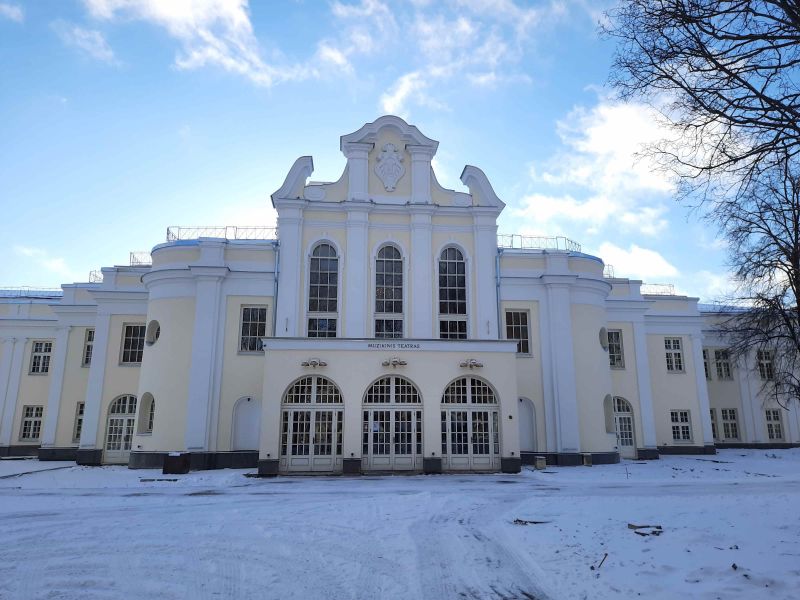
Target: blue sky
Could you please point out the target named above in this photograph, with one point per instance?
(121, 117)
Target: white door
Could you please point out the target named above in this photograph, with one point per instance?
(246, 424)
(311, 439)
(527, 426)
(392, 439)
(119, 429)
(623, 424)
(470, 439)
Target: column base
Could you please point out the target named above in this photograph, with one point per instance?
(511, 464)
(351, 466)
(759, 445)
(570, 459)
(708, 449)
(198, 461)
(268, 467)
(647, 454)
(90, 457)
(432, 466)
(58, 454)
(19, 450)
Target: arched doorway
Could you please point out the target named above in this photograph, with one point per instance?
(246, 424)
(119, 429)
(470, 426)
(312, 421)
(527, 426)
(392, 425)
(623, 425)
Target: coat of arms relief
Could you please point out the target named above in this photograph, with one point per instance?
(390, 167)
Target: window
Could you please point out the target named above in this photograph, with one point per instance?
(254, 328)
(714, 424)
(765, 368)
(323, 291)
(88, 346)
(681, 426)
(774, 424)
(674, 355)
(389, 293)
(730, 427)
(723, 363)
(132, 343)
(147, 412)
(76, 430)
(40, 358)
(705, 368)
(31, 423)
(153, 332)
(452, 295)
(517, 329)
(616, 358)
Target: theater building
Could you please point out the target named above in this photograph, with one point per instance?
(385, 326)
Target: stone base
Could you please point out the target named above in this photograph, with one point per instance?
(19, 450)
(58, 453)
(758, 445)
(198, 461)
(351, 466)
(176, 463)
(511, 464)
(89, 457)
(432, 466)
(268, 467)
(570, 459)
(647, 454)
(687, 449)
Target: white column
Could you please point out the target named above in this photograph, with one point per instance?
(204, 347)
(57, 367)
(645, 387)
(484, 286)
(749, 400)
(288, 321)
(422, 287)
(562, 366)
(791, 424)
(94, 388)
(356, 275)
(357, 154)
(421, 173)
(10, 374)
(702, 388)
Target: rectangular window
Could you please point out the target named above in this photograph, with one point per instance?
(705, 368)
(774, 424)
(322, 328)
(88, 346)
(730, 426)
(674, 355)
(40, 357)
(132, 343)
(253, 329)
(714, 424)
(388, 328)
(765, 368)
(450, 329)
(681, 426)
(616, 358)
(76, 430)
(517, 329)
(723, 363)
(31, 427)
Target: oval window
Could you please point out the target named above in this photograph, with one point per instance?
(153, 332)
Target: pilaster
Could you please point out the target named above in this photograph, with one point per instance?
(702, 388)
(649, 440)
(57, 365)
(10, 374)
(421, 275)
(356, 272)
(287, 310)
(357, 154)
(485, 290)
(421, 173)
(94, 387)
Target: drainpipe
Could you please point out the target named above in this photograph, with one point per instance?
(497, 291)
(276, 246)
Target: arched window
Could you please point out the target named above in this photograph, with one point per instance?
(147, 413)
(123, 405)
(389, 293)
(392, 389)
(452, 295)
(323, 291)
(468, 390)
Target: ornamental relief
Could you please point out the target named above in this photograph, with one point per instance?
(389, 167)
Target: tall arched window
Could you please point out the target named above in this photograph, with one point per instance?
(452, 295)
(323, 291)
(389, 293)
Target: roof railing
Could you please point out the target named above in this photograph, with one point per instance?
(225, 232)
(537, 242)
(96, 276)
(608, 272)
(657, 289)
(140, 259)
(29, 292)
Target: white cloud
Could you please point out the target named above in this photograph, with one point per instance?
(638, 262)
(89, 41)
(12, 12)
(44, 260)
(410, 85)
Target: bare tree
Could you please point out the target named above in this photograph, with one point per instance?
(725, 75)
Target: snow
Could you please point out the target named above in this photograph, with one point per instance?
(107, 532)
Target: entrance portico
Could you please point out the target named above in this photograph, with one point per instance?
(390, 399)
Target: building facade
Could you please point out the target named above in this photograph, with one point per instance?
(387, 327)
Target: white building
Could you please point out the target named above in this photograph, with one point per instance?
(386, 328)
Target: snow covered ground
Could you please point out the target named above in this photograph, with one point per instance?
(84, 533)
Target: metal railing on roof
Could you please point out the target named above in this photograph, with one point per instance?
(140, 259)
(225, 232)
(608, 272)
(537, 242)
(29, 292)
(657, 289)
(95, 276)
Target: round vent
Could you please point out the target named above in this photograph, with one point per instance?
(604, 338)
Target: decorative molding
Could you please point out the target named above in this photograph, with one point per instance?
(389, 167)
(314, 363)
(471, 363)
(394, 362)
